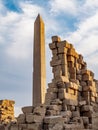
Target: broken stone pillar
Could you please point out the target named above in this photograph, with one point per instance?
(39, 68)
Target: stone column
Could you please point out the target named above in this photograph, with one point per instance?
(39, 66)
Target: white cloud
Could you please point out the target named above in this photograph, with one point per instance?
(66, 6)
(85, 37)
(16, 30)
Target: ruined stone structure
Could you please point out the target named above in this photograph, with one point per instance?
(39, 68)
(71, 101)
(72, 96)
(6, 111)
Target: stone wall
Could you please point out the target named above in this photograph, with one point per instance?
(6, 111)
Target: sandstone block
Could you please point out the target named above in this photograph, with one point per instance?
(53, 107)
(83, 83)
(71, 52)
(51, 85)
(86, 77)
(82, 103)
(40, 110)
(86, 108)
(56, 102)
(54, 90)
(22, 126)
(27, 109)
(30, 118)
(52, 46)
(71, 58)
(75, 114)
(34, 126)
(54, 52)
(67, 114)
(70, 64)
(21, 119)
(79, 77)
(70, 102)
(57, 73)
(62, 50)
(57, 68)
(57, 127)
(65, 95)
(61, 79)
(56, 39)
(14, 127)
(85, 120)
(63, 44)
(87, 114)
(55, 63)
(53, 119)
(52, 112)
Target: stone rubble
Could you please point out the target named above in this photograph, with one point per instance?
(72, 96)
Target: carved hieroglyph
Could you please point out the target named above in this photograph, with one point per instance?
(39, 68)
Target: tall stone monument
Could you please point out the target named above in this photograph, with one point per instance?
(39, 68)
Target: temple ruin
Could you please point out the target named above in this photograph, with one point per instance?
(71, 101)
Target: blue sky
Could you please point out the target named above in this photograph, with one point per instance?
(73, 20)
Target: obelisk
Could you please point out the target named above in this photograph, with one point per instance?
(39, 66)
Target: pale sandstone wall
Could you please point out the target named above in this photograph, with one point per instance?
(6, 111)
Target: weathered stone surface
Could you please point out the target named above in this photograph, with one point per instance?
(81, 103)
(6, 111)
(27, 109)
(56, 39)
(53, 119)
(40, 110)
(30, 118)
(21, 118)
(34, 126)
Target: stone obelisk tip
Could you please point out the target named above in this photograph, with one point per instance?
(39, 18)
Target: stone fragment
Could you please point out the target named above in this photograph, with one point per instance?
(27, 109)
(40, 110)
(57, 127)
(30, 118)
(55, 63)
(75, 114)
(52, 46)
(81, 103)
(53, 119)
(21, 118)
(34, 126)
(63, 44)
(85, 120)
(52, 112)
(86, 108)
(14, 127)
(70, 102)
(56, 39)
(56, 102)
(66, 113)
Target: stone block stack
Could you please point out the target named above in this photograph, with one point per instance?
(73, 85)
(6, 111)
